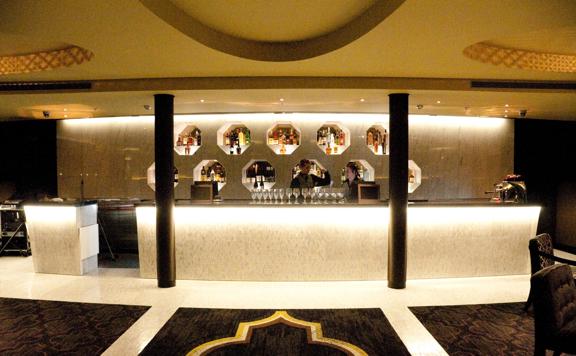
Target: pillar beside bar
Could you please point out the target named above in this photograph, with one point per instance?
(164, 158)
(398, 187)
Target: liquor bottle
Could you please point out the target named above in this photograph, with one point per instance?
(241, 137)
(238, 148)
(262, 182)
(247, 136)
(212, 175)
(343, 175)
(411, 176)
(198, 138)
(328, 149)
(203, 174)
(176, 176)
(282, 149)
(384, 141)
(370, 138)
(226, 139)
(179, 141)
(342, 138)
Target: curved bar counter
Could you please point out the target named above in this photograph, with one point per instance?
(336, 242)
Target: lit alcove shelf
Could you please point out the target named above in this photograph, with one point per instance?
(283, 138)
(366, 171)
(151, 176)
(377, 139)
(258, 174)
(414, 176)
(234, 138)
(210, 170)
(333, 138)
(187, 139)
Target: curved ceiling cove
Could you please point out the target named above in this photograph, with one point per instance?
(44, 60)
(306, 37)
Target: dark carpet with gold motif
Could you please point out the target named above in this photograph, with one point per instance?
(192, 331)
(42, 327)
(484, 329)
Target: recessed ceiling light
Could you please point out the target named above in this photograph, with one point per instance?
(362, 100)
(281, 99)
(65, 115)
(437, 101)
(505, 110)
(201, 100)
(65, 109)
(506, 105)
(505, 115)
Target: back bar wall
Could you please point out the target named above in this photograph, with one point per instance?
(460, 157)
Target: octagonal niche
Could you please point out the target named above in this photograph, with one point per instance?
(258, 174)
(187, 139)
(316, 169)
(333, 138)
(366, 171)
(151, 176)
(233, 138)
(414, 176)
(210, 170)
(283, 138)
(377, 139)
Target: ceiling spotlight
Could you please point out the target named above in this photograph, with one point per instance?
(506, 105)
(505, 110)
(437, 101)
(362, 100)
(65, 109)
(201, 100)
(281, 99)
(419, 106)
(147, 107)
(65, 116)
(505, 115)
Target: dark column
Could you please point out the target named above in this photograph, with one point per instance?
(398, 188)
(164, 157)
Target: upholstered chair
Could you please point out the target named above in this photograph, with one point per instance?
(554, 297)
(542, 256)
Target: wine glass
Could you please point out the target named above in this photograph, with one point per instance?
(296, 192)
(253, 195)
(340, 195)
(281, 195)
(306, 194)
(288, 195)
(259, 195)
(314, 195)
(276, 195)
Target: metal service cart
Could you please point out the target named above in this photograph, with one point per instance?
(14, 236)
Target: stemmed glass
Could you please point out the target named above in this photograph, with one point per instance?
(276, 195)
(305, 194)
(253, 195)
(288, 195)
(313, 195)
(259, 195)
(281, 195)
(296, 192)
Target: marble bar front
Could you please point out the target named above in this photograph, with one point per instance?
(324, 242)
(63, 237)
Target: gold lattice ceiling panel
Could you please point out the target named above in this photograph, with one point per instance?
(522, 59)
(43, 61)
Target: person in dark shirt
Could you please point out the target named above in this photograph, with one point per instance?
(306, 180)
(351, 183)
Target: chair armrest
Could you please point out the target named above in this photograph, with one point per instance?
(557, 259)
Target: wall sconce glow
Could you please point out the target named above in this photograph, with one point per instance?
(50, 214)
(463, 121)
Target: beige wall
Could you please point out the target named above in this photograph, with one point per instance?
(459, 157)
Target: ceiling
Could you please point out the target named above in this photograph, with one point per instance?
(419, 39)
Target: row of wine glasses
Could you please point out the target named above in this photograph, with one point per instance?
(297, 196)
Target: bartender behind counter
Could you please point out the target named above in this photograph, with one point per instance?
(306, 180)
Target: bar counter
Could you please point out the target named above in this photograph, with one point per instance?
(288, 242)
(63, 236)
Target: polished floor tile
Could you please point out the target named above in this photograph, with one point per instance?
(123, 286)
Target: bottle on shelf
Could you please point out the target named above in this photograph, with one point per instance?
(179, 142)
(370, 138)
(203, 174)
(384, 141)
(411, 176)
(241, 137)
(176, 175)
(247, 136)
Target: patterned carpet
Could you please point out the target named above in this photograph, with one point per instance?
(33, 327)
(361, 330)
(485, 329)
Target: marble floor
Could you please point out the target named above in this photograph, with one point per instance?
(123, 286)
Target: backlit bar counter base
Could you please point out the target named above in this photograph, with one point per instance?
(323, 242)
(63, 237)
